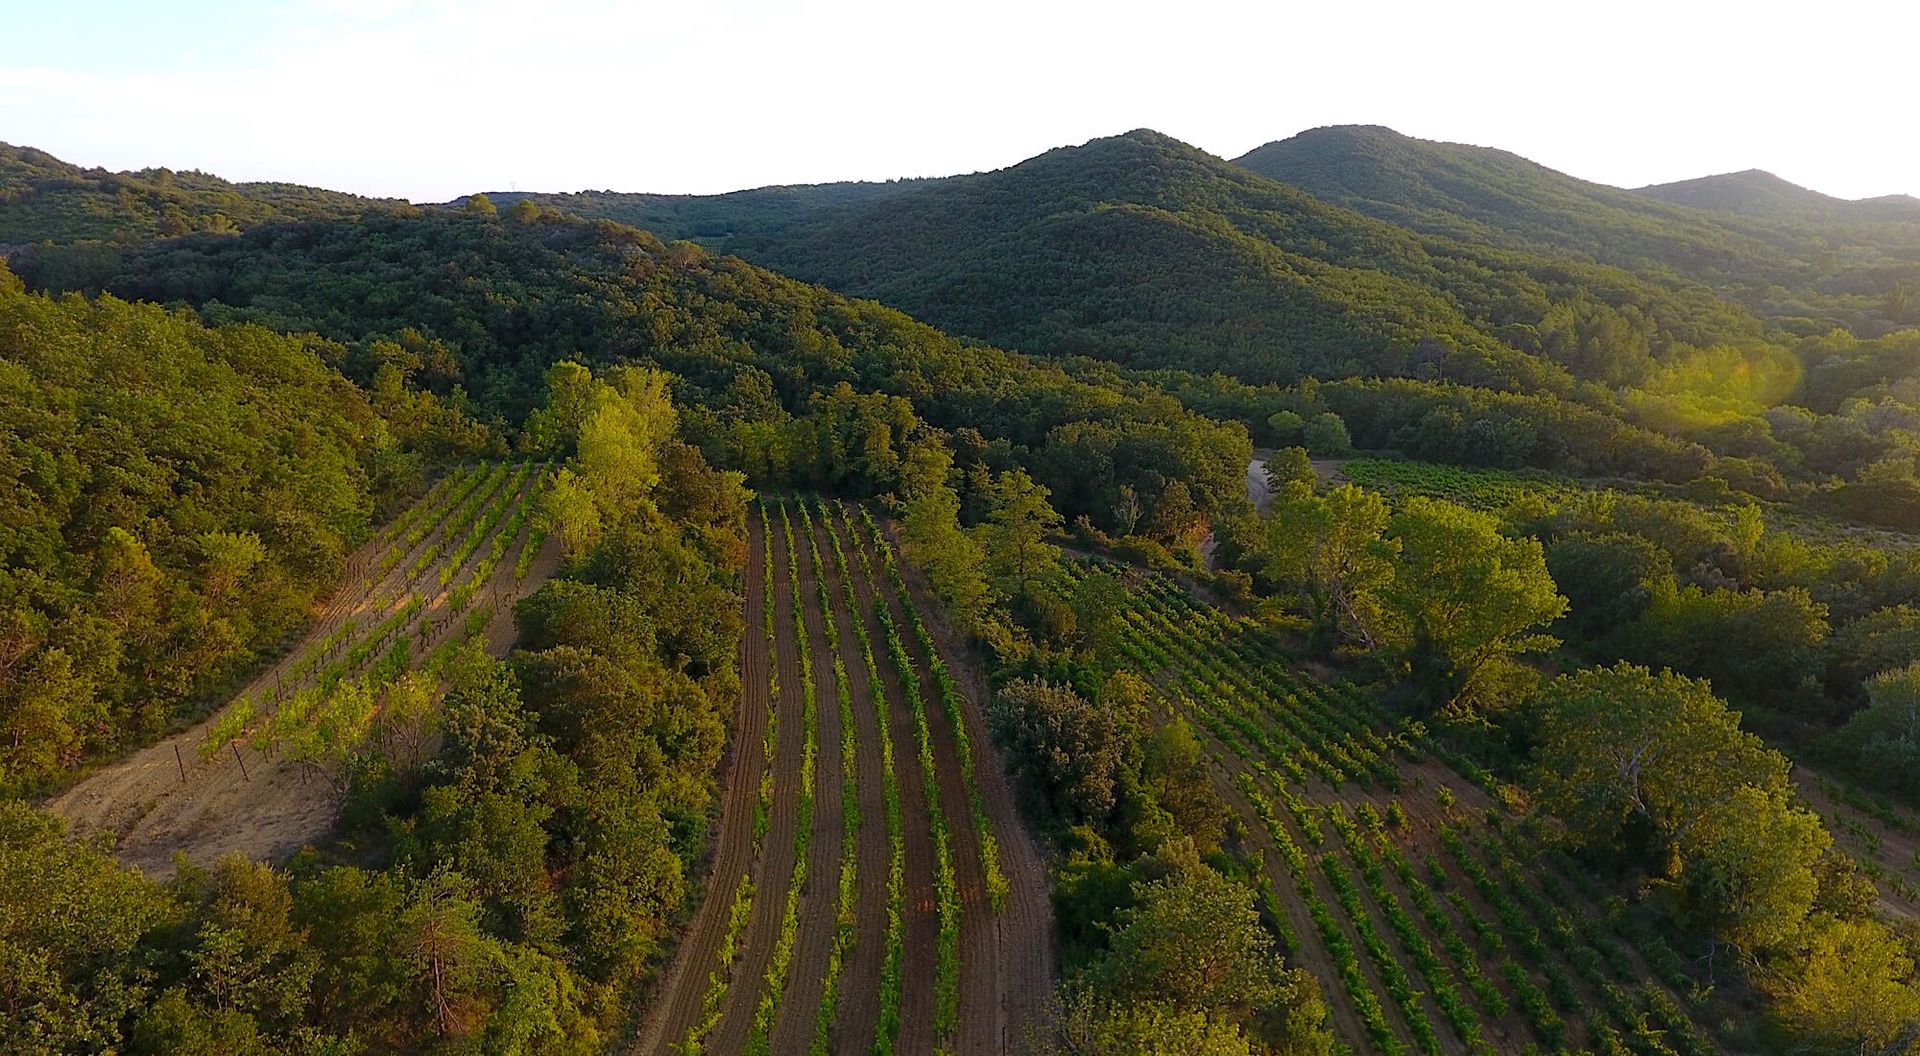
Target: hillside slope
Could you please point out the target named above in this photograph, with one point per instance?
(1748, 235)
(1142, 249)
(711, 217)
(45, 199)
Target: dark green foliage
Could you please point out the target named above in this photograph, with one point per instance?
(43, 198)
(1141, 249)
(177, 496)
(1747, 234)
(794, 385)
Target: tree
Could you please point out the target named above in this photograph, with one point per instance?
(1464, 598)
(570, 508)
(1014, 537)
(1068, 750)
(1621, 745)
(126, 582)
(1851, 989)
(1192, 942)
(1286, 426)
(1097, 603)
(1326, 435)
(1331, 549)
(448, 958)
(1090, 1026)
(1609, 580)
(1884, 737)
(481, 205)
(228, 556)
(1749, 872)
(932, 538)
(1290, 465)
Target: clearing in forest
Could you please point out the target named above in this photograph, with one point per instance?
(871, 887)
(262, 776)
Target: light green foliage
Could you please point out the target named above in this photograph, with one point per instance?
(1014, 537)
(1850, 988)
(1621, 743)
(1191, 950)
(1463, 602)
(1290, 465)
(1749, 868)
(1326, 435)
(1332, 551)
(1136, 1028)
(954, 562)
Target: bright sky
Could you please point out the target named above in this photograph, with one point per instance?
(430, 99)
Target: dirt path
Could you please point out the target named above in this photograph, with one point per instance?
(800, 1002)
(678, 998)
(999, 1009)
(165, 799)
(860, 978)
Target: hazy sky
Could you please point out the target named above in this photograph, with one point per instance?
(429, 99)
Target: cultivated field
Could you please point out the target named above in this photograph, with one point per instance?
(1437, 918)
(872, 890)
(263, 775)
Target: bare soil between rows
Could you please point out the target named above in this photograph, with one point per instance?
(166, 801)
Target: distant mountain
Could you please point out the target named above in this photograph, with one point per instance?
(1142, 249)
(710, 218)
(1762, 195)
(1754, 192)
(1492, 195)
(45, 199)
(1809, 261)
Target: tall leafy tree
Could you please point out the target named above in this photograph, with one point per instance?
(1019, 522)
(1621, 747)
(1332, 551)
(1465, 600)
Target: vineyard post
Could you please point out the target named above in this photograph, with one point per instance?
(244, 776)
(181, 763)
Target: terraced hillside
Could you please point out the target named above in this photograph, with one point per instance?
(1438, 916)
(263, 775)
(871, 887)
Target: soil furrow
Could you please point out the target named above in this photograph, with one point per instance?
(1023, 927)
(979, 1027)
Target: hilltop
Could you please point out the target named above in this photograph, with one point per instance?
(45, 199)
(1747, 235)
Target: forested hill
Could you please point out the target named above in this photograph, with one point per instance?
(1806, 261)
(777, 376)
(1143, 249)
(45, 199)
(710, 218)
(1758, 193)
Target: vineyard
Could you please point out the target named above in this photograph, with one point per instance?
(1482, 489)
(1438, 919)
(871, 890)
(264, 773)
